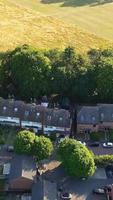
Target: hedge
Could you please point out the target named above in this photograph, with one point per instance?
(95, 136)
(2, 140)
(103, 160)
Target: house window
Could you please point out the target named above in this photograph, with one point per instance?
(94, 125)
(26, 113)
(82, 118)
(60, 119)
(112, 115)
(102, 116)
(93, 119)
(37, 114)
(49, 117)
(15, 109)
(4, 108)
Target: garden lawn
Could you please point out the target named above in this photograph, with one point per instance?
(8, 134)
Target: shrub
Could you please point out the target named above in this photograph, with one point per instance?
(2, 140)
(24, 141)
(52, 137)
(76, 158)
(95, 136)
(42, 148)
(111, 136)
(103, 160)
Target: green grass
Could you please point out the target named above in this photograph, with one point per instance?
(2, 185)
(8, 134)
(20, 24)
(95, 16)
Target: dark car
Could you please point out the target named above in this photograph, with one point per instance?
(66, 196)
(94, 144)
(99, 191)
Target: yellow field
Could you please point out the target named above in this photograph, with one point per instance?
(19, 24)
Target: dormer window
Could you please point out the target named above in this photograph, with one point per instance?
(37, 114)
(60, 118)
(93, 119)
(49, 117)
(15, 109)
(82, 118)
(102, 116)
(4, 108)
(26, 113)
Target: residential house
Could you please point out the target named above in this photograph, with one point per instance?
(19, 113)
(95, 118)
(22, 173)
(87, 118)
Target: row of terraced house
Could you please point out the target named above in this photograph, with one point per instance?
(89, 118)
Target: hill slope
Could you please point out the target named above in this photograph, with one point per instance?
(95, 16)
(19, 25)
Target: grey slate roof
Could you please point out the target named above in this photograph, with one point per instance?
(33, 112)
(105, 112)
(37, 190)
(88, 115)
(22, 166)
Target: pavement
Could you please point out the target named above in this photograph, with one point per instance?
(50, 190)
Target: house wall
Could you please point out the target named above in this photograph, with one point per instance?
(21, 183)
(82, 127)
(107, 124)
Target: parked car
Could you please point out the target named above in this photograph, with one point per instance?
(84, 143)
(10, 148)
(94, 144)
(99, 191)
(66, 196)
(107, 145)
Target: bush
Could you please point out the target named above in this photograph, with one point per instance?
(103, 160)
(52, 137)
(95, 136)
(23, 142)
(42, 148)
(111, 136)
(2, 140)
(76, 158)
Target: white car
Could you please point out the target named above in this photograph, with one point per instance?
(108, 145)
(84, 143)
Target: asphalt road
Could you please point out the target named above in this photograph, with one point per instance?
(101, 151)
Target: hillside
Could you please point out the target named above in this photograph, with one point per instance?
(20, 25)
(95, 16)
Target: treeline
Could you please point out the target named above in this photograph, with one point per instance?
(29, 73)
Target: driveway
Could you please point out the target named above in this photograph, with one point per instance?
(82, 190)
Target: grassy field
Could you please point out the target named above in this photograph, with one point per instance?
(95, 16)
(20, 24)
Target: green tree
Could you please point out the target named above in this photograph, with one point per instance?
(23, 142)
(25, 73)
(76, 158)
(42, 148)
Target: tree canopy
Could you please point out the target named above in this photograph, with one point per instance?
(29, 73)
(27, 142)
(76, 158)
(42, 148)
(24, 141)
